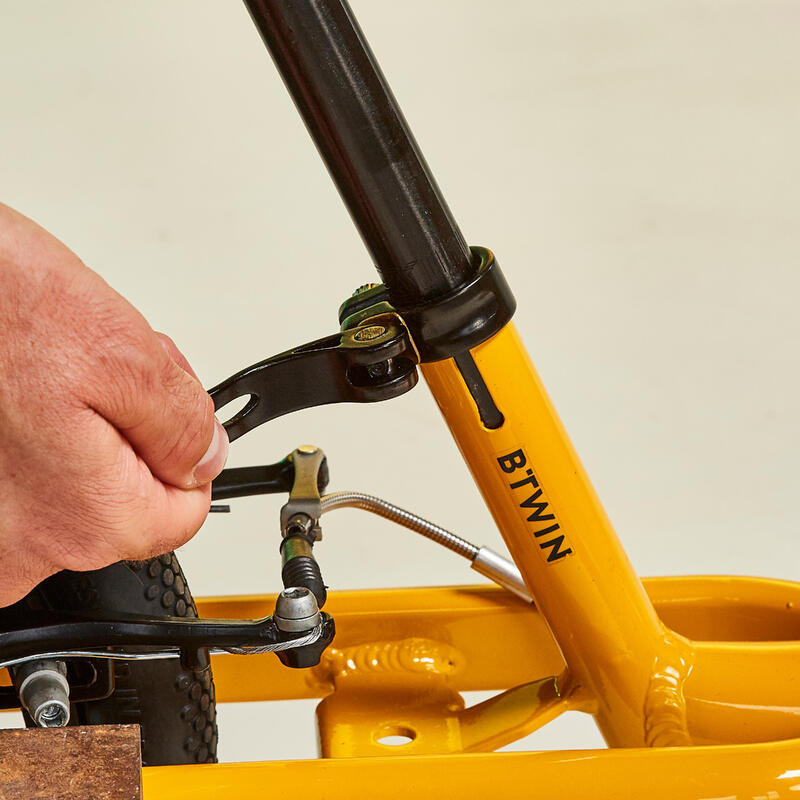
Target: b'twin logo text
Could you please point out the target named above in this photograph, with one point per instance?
(535, 507)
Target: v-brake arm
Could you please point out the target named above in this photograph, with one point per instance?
(374, 361)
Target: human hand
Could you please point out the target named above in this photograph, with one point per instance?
(108, 442)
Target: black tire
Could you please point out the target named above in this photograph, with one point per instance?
(174, 706)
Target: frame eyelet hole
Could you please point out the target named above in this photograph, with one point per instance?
(395, 736)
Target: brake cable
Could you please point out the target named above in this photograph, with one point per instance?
(482, 559)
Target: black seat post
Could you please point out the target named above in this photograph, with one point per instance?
(367, 146)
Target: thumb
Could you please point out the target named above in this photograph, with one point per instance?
(157, 403)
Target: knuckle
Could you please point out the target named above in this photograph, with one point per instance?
(117, 353)
(193, 426)
(124, 357)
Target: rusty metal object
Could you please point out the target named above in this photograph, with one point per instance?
(101, 762)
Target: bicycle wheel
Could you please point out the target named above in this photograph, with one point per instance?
(174, 706)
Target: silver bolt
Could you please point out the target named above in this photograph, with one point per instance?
(44, 692)
(296, 610)
(299, 524)
(52, 714)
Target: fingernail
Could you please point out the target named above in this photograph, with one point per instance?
(211, 464)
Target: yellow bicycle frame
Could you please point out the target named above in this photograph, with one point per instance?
(692, 681)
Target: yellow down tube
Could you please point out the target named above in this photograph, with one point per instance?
(563, 543)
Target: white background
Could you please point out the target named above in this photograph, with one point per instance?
(634, 166)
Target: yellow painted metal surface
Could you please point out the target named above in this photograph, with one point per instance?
(562, 541)
(766, 772)
(404, 690)
(741, 689)
(477, 620)
(730, 677)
